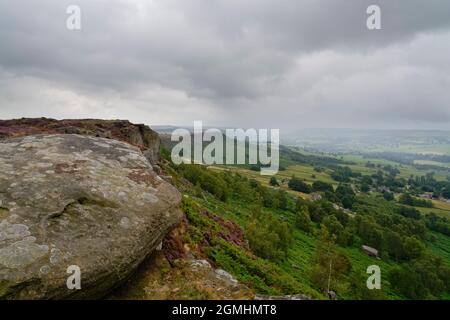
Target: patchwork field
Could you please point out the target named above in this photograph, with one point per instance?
(411, 148)
(432, 163)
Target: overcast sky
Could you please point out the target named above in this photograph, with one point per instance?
(240, 63)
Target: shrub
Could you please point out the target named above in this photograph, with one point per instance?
(389, 196)
(303, 220)
(322, 186)
(298, 185)
(268, 237)
(274, 182)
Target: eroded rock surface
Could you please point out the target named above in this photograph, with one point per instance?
(139, 135)
(77, 200)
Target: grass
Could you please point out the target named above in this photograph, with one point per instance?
(304, 172)
(441, 246)
(441, 205)
(362, 160)
(405, 170)
(361, 261)
(421, 149)
(307, 173)
(294, 271)
(262, 275)
(300, 255)
(437, 211)
(432, 163)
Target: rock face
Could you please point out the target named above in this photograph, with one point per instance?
(77, 200)
(182, 279)
(136, 134)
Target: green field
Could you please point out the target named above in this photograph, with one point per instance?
(405, 170)
(432, 163)
(439, 149)
(441, 246)
(440, 212)
(307, 173)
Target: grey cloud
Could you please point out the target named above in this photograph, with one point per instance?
(259, 59)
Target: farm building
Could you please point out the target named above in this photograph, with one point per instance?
(427, 195)
(370, 251)
(315, 196)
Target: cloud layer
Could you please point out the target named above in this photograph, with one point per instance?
(254, 63)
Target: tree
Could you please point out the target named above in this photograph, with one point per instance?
(369, 231)
(365, 187)
(298, 185)
(302, 219)
(317, 213)
(268, 196)
(394, 245)
(274, 182)
(300, 203)
(329, 265)
(358, 288)
(347, 237)
(344, 190)
(408, 212)
(366, 180)
(389, 196)
(438, 224)
(346, 194)
(422, 278)
(347, 202)
(330, 196)
(413, 248)
(410, 201)
(343, 174)
(446, 192)
(333, 226)
(198, 190)
(268, 237)
(406, 198)
(405, 281)
(282, 200)
(207, 180)
(322, 186)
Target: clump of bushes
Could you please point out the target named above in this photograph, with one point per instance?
(298, 185)
(268, 237)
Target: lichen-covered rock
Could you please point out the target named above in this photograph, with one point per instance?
(139, 135)
(77, 200)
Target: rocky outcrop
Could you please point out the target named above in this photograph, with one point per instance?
(136, 134)
(78, 200)
(182, 279)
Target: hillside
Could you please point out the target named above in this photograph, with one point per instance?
(360, 202)
(296, 235)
